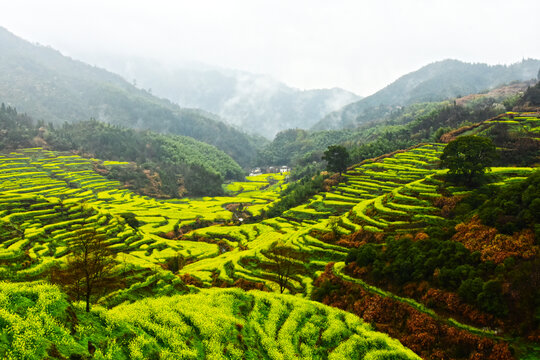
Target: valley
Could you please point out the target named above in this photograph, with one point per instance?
(192, 211)
(50, 199)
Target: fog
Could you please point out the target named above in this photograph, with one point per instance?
(360, 46)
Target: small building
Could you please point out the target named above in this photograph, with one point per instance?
(254, 172)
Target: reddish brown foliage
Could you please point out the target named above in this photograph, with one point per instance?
(404, 236)
(493, 245)
(331, 182)
(421, 236)
(190, 280)
(359, 238)
(415, 290)
(249, 285)
(416, 330)
(450, 302)
(447, 204)
(355, 270)
(534, 336)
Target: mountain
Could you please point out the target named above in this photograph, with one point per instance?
(157, 165)
(434, 82)
(400, 128)
(48, 86)
(255, 103)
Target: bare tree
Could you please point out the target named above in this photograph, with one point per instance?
(284, 263)
(90, 264)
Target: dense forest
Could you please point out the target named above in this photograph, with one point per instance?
(163, 165)
(48, 86)
(401, 128)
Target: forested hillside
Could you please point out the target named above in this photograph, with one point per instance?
(401, 128)
(531, 98)
(256, 103)
(434, 82)
(48, 86)
(160, 165)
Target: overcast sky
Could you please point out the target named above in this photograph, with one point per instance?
(357, 45)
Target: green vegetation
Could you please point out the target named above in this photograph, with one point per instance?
(49, 200)
(296, 194)
(101, 211)
(514, 134)
(446, 264)
(90, 265)
(72, 91)
(438, 81)
(531, 96)
(514, 207)
(38, 322)
(407, 235)
(163, 165)
(460, 255)
(336, 158)
(468, 157)
(393, 128)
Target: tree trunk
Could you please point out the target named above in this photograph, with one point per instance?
(88, 292)
(87, 301)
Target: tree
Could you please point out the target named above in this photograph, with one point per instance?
(284, 263)
(468, 157)
(89, 268)
(337, 158)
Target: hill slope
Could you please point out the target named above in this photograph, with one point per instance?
(434, 82)
(45, 84)
(49, 199)
(255, 103)
(400, 128)
(160, 165)
(217, 324)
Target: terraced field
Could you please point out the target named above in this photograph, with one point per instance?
(213, 324)
(349, 204)
(529, 121)
(525, 123)
(48, 198)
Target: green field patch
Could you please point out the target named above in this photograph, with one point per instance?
(210, 261)
(303, 212)
(114, 163)
(381, 208)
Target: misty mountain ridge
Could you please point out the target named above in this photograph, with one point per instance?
(49, 86)
(437, 81)
(256, 103)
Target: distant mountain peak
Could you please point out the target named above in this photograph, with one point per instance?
(255, 103)
(437, 81)
(54, 88)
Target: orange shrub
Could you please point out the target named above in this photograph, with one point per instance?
(493, 245)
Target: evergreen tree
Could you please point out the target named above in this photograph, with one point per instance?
(468, 157)
(337, 158)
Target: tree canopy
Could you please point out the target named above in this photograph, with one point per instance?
(468, 157)
(337, 158)
(89, 269)
(162, 165)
